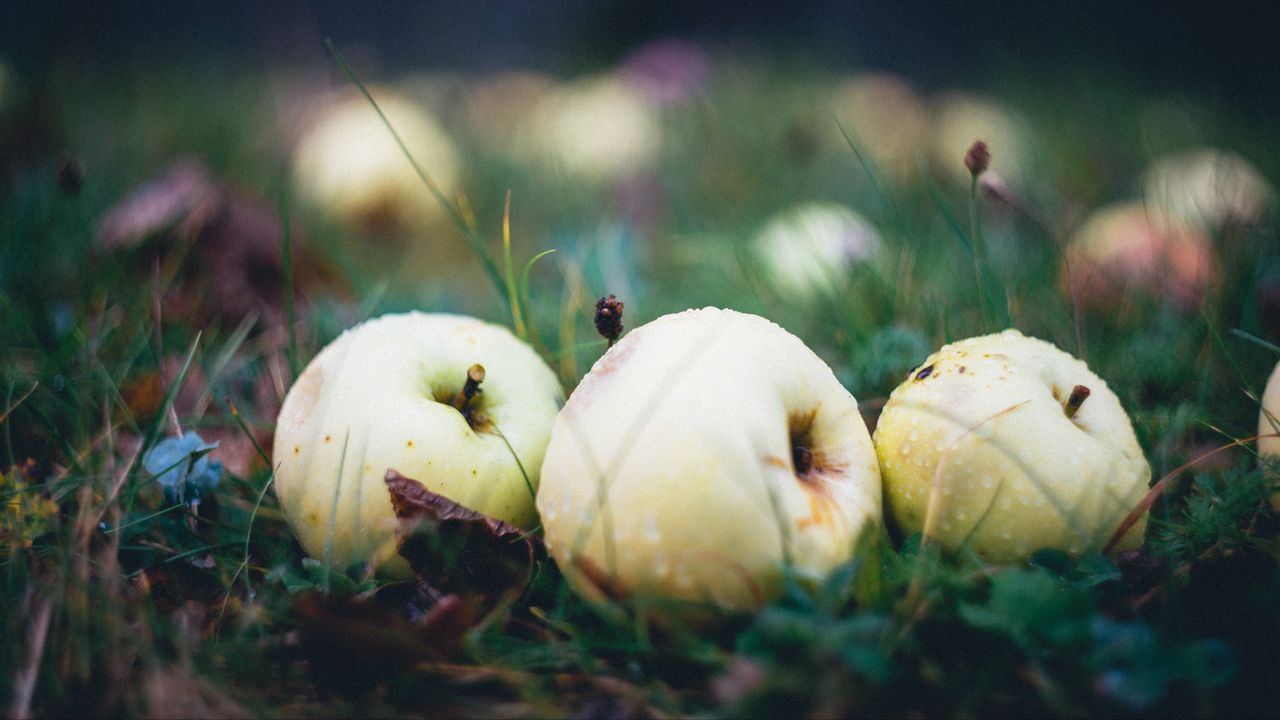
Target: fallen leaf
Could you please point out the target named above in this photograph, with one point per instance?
(157, 205)
(354, 644)
(454, 549)
(235, 264)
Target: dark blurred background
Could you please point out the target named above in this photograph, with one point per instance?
(1224, 52)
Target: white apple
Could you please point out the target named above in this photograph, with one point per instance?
(1206, 188)
(598, 129)
(981, 446)
(1269, 416)
(384, 395)
(702, 454)
(809, 249)
(349, 165)
(1130, 248)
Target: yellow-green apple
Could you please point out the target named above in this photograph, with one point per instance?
(400, 392)
(1129, 248)
(702, 455)
(1007, 444)
(809, 249)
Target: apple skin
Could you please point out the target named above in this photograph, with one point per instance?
(1267, 425)
(367, 403)
(984, 418)
(670, 470)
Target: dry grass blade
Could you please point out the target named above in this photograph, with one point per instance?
(1163, 484)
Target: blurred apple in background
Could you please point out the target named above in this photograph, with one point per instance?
(1006, 444)
(960, 118)
(1205, 189)
(349, 166)
(497, 106)
(702, 454)
(598, 129)
(809, 250)
(1128, 250)
(886, 118)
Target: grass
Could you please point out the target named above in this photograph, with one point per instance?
(119, 602)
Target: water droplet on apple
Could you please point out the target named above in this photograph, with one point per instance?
(651, 533)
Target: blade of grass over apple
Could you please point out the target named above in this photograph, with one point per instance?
(333, 514)
(468, 229)
(631, 436)
(1159, 489)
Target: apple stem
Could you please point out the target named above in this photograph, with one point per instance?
(462, 401)
(1077, 397)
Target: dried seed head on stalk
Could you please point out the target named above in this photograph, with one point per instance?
(609, 318)
(978, 158)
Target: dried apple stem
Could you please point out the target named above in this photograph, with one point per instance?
(1078, 395)
(462, 401)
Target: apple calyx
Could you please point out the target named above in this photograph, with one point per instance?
(462, 402)
(1078, 395)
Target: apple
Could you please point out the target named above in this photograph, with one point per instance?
(389, 394)
(1206, 188)
(495, 108)
(959, 119)
(1269, 416)
(886, 118)
(1129, 248)
(809, 249)
(349, 165)
(1006, 444)
(598, 129)
(705, 452)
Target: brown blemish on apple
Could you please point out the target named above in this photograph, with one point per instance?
(821, 512)
(774, 461)
(327, 438)
(409, 444)
(313, 519)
